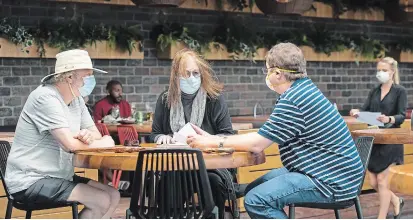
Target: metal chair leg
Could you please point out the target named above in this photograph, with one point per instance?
(28, 214)
(215, 212)
(9, 209)
(337, 213)
(75, 211)
(128, 214)
(358, 208)
(291, 211)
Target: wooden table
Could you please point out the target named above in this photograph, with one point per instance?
(146, 127)
(127, 161)
(352, 123)
(401, 179)
(7, 136)
(387, 136)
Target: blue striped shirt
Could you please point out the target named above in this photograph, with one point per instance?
(314, 140)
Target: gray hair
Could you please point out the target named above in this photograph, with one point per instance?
(61, 77)
(289, 57)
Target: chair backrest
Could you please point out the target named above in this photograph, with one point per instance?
(364, 146)
(4, 153)
(171, 183)
(102, 129)
(127, 132)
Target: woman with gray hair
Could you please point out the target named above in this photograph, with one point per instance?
(320, 159)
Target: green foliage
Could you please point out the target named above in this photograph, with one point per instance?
(168, 33)
(16, 34)
(323, 40)
(72, 34)
(240, 40)
(237, 38)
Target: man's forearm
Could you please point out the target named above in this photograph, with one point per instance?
(251, 142)
(105, 141)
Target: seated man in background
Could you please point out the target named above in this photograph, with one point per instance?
(114, 98)
(54, 123)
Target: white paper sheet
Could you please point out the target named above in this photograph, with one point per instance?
(370, 118)
(181, 136)
(187, 130)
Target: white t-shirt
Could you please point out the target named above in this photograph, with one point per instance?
(35, 153)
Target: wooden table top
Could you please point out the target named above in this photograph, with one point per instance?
(401, 179)
(127, 161)
(263, 118)
(7, 136)
(387, 136)
(146, 127)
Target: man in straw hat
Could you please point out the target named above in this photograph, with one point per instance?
(55, 122)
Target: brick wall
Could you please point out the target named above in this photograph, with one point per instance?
(344, 83)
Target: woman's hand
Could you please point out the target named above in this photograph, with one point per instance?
(354, 113)
(201, 142)
(384, 119)
(165, 139)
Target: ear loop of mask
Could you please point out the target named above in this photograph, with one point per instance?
(279, 84)
(71, 89)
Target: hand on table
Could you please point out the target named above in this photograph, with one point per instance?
(384, 119)
(165, 139)
(85, 136)
(104, 142)
(354, 113)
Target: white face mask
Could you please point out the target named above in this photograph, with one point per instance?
(190, 85)
(382, 76)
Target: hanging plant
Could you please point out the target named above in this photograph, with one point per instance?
(237, 38)
(323, 40)
(71, 34)
(74, 33)
(10, 30)
(368, 48)
(168, 33)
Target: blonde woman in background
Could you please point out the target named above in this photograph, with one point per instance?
(390, 99)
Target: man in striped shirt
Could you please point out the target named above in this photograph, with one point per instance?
(321, 162)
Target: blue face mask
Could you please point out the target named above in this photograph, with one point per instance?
(88, 86)
(190, 85)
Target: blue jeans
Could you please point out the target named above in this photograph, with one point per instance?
(267, 195)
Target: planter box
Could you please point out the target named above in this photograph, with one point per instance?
(213, 53)
(100, 51)
(326, 11)
(406, 57)
(222, 54)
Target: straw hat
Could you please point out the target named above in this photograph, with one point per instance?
(72, 60)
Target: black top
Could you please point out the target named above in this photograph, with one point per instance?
(216, 118)
(393, 104)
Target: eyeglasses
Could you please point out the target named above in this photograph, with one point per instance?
(265, 70)
(195, 73)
